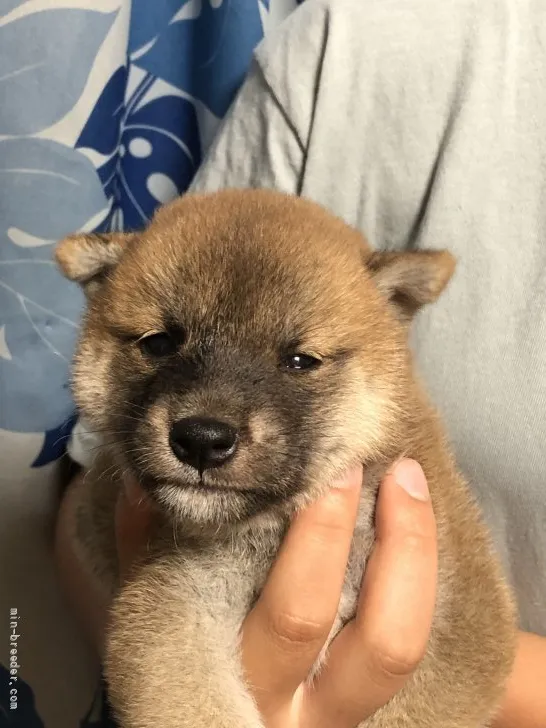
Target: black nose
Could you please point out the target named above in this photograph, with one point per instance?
(203, 442)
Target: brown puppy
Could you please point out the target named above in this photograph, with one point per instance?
(243, 350)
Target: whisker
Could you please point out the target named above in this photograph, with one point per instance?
(140, 419)
(112, 472)
(141, 448)
(143, 459)
(86, 475)
(144, 462)
(109, 432)
(60, 439)
(103, 445)
(174, 536)
(134, 405)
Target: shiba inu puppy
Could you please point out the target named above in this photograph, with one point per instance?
(237, 356)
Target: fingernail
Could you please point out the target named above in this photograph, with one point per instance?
(351, 479)
(409, 475)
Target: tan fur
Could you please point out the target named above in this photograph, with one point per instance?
(241, 272)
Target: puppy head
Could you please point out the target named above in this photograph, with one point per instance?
(244, 349)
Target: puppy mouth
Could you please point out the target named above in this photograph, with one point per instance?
(203, 483)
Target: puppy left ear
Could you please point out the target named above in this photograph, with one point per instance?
(411, 279)
(86, 258)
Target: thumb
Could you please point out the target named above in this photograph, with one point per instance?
(399, 589)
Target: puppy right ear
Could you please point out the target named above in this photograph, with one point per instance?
(86, 258)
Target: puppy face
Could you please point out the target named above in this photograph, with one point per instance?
(244, 349)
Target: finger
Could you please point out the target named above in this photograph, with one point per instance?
(133, 524)
(375, 654)
(287, 628)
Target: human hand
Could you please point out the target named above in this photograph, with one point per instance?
(374, 655)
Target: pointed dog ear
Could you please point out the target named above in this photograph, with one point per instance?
(86, 258)
(410, 280)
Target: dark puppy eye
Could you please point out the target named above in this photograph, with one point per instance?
(300, 362)
(157, 345)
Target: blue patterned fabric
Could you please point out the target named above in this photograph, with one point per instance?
(107, 107)
(136, 143)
